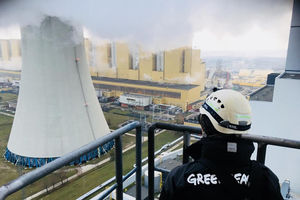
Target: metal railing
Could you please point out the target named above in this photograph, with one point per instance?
(38, 173)
(262, 142)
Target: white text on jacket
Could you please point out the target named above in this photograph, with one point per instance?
(207, 179)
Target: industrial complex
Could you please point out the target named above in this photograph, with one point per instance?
(175, 77)
(133, 109)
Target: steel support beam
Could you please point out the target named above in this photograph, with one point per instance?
(119, 168)
(138, 158)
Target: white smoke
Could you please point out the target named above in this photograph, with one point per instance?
(155, 24)
(13, 64)
(147, 77)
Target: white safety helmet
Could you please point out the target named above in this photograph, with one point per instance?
(228, 111)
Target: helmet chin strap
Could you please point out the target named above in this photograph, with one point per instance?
(225, 123)
(207, 127)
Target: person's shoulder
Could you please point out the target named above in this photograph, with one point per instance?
(179, 169)
(187, 168)
(264, 170)
(267, 180)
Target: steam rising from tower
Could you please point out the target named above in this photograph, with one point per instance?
(57, 110)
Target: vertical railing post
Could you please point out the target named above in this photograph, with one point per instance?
(151, 163)
(186, 143)
(261, 152)
(138, 174)
(119, 168)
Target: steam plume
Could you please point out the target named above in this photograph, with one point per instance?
(153, 23)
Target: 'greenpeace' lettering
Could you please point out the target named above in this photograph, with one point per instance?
(207, 179)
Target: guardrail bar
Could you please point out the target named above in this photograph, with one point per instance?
(262, 141)
(40, 172)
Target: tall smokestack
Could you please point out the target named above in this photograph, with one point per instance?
(293, 56)
(57, 109)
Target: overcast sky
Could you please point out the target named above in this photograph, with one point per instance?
(245, 27)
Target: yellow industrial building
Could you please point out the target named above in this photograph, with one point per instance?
(175, 77)
(252, 78)
(10, 54)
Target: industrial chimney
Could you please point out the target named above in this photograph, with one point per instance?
(57, 109)
(293, 55)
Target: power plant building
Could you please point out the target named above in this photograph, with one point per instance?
(175, 77)
(10, 54)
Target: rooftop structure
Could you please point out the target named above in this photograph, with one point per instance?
(147, 83)
(280, 117)
(265, 93)
(135, 100)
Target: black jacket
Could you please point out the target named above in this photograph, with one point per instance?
(217, 159)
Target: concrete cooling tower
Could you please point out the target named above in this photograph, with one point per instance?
(57, 109)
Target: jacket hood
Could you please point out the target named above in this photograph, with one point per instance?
(226, 150)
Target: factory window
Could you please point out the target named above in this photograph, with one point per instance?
(154, 62)
(130, 61)
(182, 61)
(0, 50)
(158, 62)
(109, 55)
(112, 57)
(134, 59)
(92, 55)
(9, 49)
(20, 49)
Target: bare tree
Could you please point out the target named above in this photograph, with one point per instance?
(62, 175)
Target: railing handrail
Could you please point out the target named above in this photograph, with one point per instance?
(251, 137)
(262, 141)
(40, 172)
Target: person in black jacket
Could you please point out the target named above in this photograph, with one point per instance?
(222, 168)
